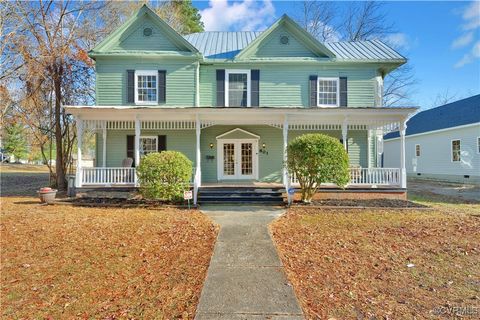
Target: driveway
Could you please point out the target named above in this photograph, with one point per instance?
(246, 279)
(445, 191)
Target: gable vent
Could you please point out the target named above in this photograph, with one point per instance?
(147, 32)
(284, 39)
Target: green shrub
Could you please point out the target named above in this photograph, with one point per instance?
(315, 159)
(164, 176)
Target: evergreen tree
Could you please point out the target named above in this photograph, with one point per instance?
(15, 141)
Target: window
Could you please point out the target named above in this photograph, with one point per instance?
(417, 150)
(148, 145)
(328, 92)
(146, 88)
(237, 88)
(455, 150)
(478, 144)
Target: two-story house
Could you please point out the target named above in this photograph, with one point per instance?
(231, 101)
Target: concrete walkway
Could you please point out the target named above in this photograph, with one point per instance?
(246, 279)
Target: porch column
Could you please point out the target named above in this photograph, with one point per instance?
(403, 171)
(198, 173)
(137, 147)
(345, 133)
(104, 148)
(78, 173)
(285, 145)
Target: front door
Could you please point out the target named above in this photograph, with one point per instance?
(237, 159)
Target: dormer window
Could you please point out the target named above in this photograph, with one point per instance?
(146, 87)
(328, 92)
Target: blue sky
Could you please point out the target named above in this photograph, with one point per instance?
(441, 39)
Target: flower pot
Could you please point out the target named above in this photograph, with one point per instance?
(47, 195)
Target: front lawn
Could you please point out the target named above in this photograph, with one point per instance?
(381, 264)
(65, 262)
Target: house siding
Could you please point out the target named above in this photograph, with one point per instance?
(111, 79)
(287, 86)
(270, 165)
(435, 155)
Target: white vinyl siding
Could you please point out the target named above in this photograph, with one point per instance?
(436, 154)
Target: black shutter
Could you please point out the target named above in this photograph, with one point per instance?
(220, 88)
(162, 86)
(255, 89)
(162, 143)
(343, 92)
(131, 148)
(313, 90)
(130, 86)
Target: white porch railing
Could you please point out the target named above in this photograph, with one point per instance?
(369, 176)
(108, 176)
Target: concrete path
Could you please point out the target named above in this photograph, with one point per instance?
(246, 279)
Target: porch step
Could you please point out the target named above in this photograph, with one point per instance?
(240, 195)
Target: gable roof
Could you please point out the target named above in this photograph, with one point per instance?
(115, 37)
(303, 36)
(458, 113)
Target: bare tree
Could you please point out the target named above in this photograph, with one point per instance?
(317, 17)
(364, 21)
(443, 98)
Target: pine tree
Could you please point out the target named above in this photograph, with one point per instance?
(15, 141)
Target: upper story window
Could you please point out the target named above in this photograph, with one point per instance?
(237, 88)
(456, 150)
(417, 150)
(478, 144)
(146, 87)
(328, 92)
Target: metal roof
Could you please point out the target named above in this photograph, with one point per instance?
(227, 44)
(458, 113)
(220, 44)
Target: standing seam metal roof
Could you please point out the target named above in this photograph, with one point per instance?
(227, 44)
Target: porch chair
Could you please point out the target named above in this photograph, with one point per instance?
(127, 177)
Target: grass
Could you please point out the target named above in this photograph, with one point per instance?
(74, 262)
(17, 167)
(355, 264)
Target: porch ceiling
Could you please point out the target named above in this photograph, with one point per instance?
(297, 117)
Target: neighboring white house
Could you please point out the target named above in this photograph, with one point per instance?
(442, 143)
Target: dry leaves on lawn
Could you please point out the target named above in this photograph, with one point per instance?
(382, 264)
(73, 262)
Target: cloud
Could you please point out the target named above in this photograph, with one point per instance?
(470, 56)
(463, 40)
(398, 40)
(470, 15)
(247, 15)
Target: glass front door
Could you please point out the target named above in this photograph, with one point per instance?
(237, 160)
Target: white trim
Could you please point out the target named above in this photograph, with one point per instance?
(336, 79)
(437, 131)
(146, 73)
(419, 151)
(238, 129)
(237, 150)
(249, 84)
(451, 150)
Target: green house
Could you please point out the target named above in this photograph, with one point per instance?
(231, 101)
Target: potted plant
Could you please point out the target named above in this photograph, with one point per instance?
(47, 195)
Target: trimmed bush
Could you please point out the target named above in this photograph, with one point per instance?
(165, 175)
(317, 158)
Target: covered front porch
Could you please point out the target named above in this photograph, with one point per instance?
(237, 146)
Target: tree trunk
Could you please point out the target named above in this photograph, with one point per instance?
(59, 165)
